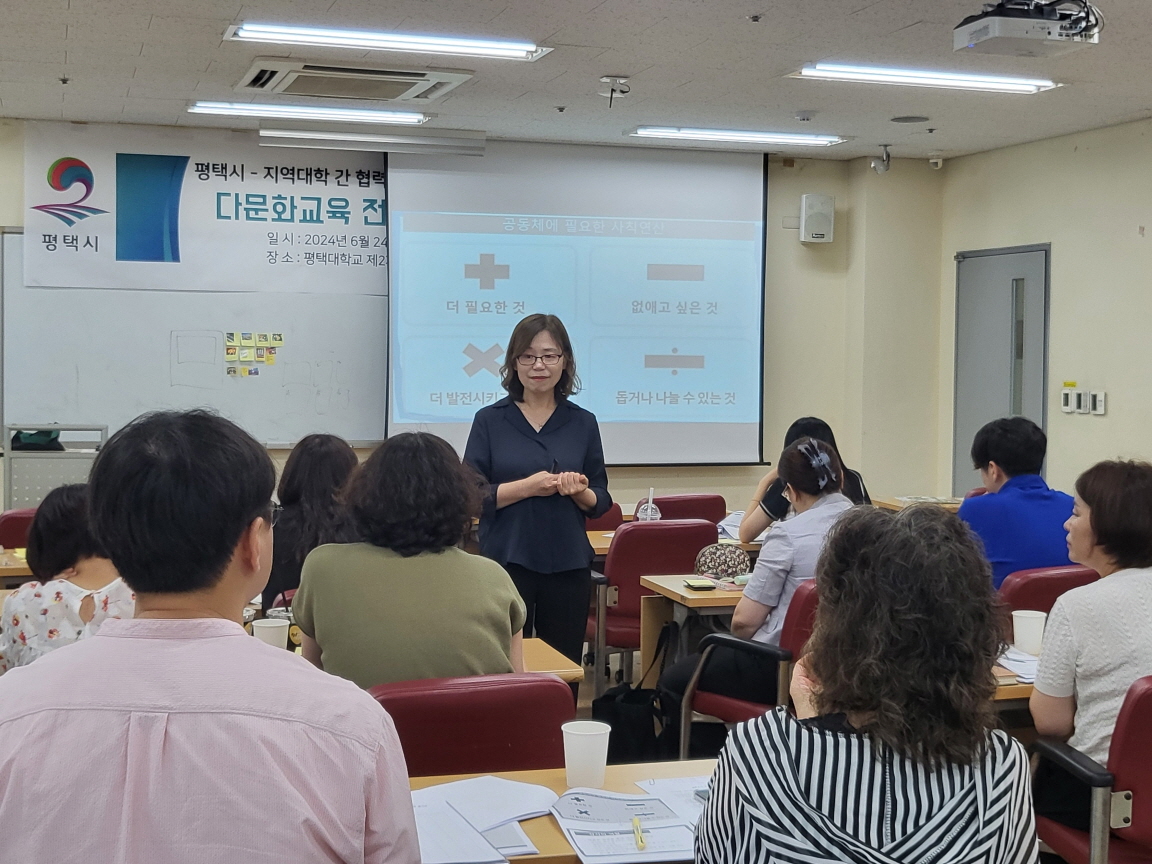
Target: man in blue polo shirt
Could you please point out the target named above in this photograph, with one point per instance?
(1020, 520)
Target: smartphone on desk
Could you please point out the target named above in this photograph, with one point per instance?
(700, 584)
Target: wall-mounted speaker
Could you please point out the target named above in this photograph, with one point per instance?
(817, 218)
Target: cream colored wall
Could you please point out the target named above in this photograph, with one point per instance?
(891, 379)
(1090, 196)
(11, 173)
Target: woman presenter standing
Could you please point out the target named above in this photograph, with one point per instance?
(542, 456)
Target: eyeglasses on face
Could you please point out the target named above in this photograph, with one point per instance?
(529, 360)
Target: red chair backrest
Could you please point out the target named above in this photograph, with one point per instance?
(710, 507)
(14, 525)
(1038, 589)
(284, 599)
(479, 724)
(610, 521)
(799, 618)
(667, 547)
(1130, 759)
(975, 493)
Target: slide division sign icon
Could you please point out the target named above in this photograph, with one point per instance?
(63, 174)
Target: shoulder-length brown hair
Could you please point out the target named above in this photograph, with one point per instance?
(906, 632)
(413, 495)
(521, 341)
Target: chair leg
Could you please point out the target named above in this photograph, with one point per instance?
(626, 665)
(599, 651)
(783, 683)
(1100, 825)
(686, 704)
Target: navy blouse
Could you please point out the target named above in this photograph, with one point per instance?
(545, 534)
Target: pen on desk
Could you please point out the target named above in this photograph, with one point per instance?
(638, 833)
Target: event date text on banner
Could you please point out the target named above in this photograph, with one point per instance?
(136, 207)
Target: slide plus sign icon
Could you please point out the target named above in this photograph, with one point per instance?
(487, 271)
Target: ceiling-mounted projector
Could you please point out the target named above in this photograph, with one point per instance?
(1030, 28)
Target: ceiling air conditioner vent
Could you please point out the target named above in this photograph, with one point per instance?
(297, 78)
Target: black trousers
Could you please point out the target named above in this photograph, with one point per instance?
(729, 673)
(557, 606)
(1059, 796)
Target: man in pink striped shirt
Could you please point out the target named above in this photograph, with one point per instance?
(176, 737)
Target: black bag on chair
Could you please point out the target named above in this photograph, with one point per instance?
(633, 713)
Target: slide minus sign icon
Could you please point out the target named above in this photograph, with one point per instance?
(673, 361)
(675, 272)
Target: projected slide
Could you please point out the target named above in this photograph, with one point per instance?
(664, 313)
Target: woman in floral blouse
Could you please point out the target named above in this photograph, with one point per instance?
(77, 588)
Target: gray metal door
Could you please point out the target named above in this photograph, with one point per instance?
(1001, 346)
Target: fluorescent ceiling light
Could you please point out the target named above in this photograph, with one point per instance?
(920, 78)
(726, 135)
(309, 112)
(458, 142)
(374, 41)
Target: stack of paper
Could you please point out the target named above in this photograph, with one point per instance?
(679, 793)
(1024, 665)
(730, 527)
(599, 826)
(475, 821)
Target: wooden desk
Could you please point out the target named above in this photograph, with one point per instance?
(601, 540)
(897, 504)
(14, 569)
(539, 656)
(1011, 696)
(543, 831)
(672, 602)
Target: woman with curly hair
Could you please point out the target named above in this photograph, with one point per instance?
(407, 603)
(893, 755)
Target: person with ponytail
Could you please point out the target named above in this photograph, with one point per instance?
(812, 477)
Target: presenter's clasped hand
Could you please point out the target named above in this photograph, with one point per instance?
(571, 483)
(541, 484)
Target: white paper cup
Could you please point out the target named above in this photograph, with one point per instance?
(1028, 630)
(274, 631)
(585, 752)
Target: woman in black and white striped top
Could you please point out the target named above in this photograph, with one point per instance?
(894, 757)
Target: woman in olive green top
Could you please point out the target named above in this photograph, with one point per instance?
(407, 603)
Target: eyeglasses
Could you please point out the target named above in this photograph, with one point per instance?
(528, 360)
(275, 510)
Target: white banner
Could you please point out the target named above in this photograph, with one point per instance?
(146, 207)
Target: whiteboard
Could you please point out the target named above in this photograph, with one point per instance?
(105, 356)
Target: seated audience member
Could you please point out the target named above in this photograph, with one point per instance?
(77, 588)
(893, 755)
(175, 736)
(408, 603)
(311, 516)
(769, 504)
(1098, 638)
(811, 473)
(1020, 520)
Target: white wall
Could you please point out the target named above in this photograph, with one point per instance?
(1090, 196)
(851, 327)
